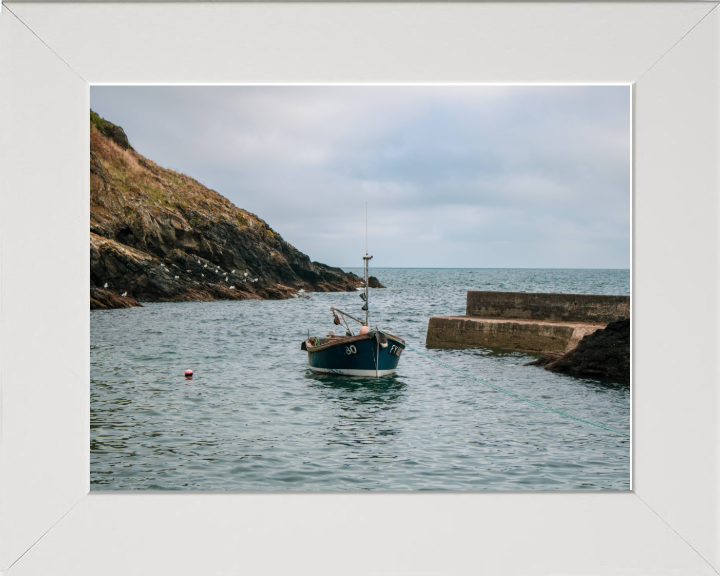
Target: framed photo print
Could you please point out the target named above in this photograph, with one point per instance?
(377, 289)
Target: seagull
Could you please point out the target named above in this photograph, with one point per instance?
(226, 279)
(232, 287)
(198, 261)
(176, 277)
(224, 273)
(161, 264)
(245, 273)
(203, 266)
(255, 279)
(203, 275)
(123, 294)
(233, 272)
(105, 285)
(301, 290)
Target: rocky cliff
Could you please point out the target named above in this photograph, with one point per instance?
(159, 235)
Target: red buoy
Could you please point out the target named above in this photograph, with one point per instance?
(188, 373)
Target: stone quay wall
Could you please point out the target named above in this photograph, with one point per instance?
(554, 307)
(528, 322)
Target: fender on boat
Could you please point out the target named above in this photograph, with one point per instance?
(382, 339)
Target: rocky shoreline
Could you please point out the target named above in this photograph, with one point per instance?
(101, 299)
(158, 235)
(604, 353)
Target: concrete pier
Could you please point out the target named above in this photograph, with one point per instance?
(555, 307)
(526, 321)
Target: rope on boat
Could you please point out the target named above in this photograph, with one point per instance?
(509, 393)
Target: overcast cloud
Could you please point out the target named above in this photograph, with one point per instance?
(457, 176)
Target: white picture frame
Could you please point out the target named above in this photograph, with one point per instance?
(50, 523)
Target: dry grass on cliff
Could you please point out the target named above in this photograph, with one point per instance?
(141, 181)
(113, 154)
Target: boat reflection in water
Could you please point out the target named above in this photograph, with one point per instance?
(364, 408)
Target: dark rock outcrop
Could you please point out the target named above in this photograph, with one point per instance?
(115, 133)
(546, 359)
(604, 353)
(101, 299)
(159, 235)
(374, 282)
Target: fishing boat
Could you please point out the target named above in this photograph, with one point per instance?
(370, 352)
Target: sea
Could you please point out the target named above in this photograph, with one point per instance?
(255, 418)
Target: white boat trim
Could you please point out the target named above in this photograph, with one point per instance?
(352, 372)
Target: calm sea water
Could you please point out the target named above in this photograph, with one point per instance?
(255, 418)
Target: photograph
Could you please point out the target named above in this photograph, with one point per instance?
(360, 287)
(360, 279)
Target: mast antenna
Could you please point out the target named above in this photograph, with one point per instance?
(366, 260)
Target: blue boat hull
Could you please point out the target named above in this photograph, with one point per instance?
(355, 356)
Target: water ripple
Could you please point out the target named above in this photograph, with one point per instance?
(255, 418)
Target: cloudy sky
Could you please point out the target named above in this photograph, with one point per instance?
(453, 176)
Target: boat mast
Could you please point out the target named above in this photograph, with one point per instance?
(367, 259)
(367, 301)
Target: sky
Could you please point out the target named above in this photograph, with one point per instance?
(453, 176)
